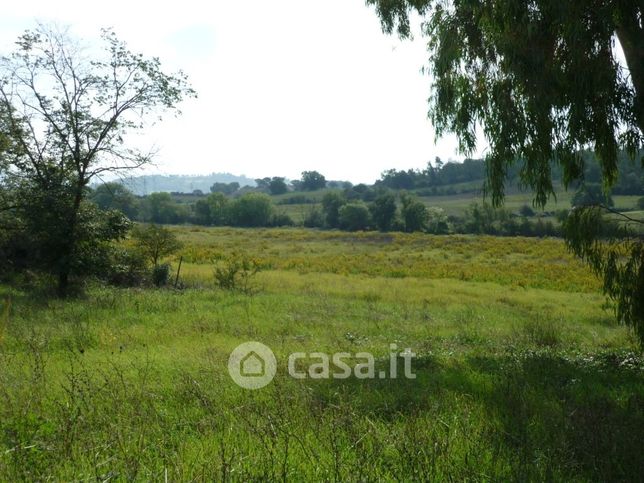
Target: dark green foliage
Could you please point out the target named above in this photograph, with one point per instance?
(383, 211)
(311, 181)
(126, 268)
(69, 117)
(332, 201)
(281, 219)
(251, 210)
(155, 242)
(277, 186)
(212, 211)
(354, 217)
(314, 218)
(161, 274)
(414, 214)
(163, 209)
(225, 188)
(115, 196)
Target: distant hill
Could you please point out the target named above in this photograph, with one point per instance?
(144, 185)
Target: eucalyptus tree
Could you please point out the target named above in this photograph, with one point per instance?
(544, 80)
(68, 108)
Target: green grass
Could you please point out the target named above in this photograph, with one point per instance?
(522, 373)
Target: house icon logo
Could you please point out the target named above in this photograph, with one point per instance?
(252, 365)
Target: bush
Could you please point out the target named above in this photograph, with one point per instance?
(282, 219)
(236, 273)
(354, 217)
(161, 274)
(128, 268)
(314, 218)
(251, 210)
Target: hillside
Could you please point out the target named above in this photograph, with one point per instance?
(144, 185)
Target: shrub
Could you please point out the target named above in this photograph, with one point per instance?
(156, 242)
(314, 218)
(354, 217)
(237, 273)
(128, 268)
(332, 201)
(251, 210)
(161, 274)
(282, 219)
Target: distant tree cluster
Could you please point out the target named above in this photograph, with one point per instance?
(443, 178)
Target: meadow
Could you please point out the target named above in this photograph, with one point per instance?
(522, 372)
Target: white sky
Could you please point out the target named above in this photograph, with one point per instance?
(284, 86)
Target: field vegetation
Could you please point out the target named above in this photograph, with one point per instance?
(522, 372)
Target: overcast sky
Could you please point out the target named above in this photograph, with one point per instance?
(284, 86)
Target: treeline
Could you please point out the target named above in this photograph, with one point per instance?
(440, 178)
(346, 209)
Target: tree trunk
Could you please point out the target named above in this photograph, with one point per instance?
(70, 243)
(631, 37)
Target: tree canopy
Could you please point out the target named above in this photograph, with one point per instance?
(67, 109)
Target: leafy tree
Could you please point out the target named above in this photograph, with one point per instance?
(437, 221)
(383, 211)
(354, 217)
(543, 81)
(332, 201)
(314, 218)
(251, 210)
(115, 196)
(225, 188)
(155, 242)
(68, 117)
(277, 186)
(311, 181)
(414, 214)
(213, 210)
(163, 209)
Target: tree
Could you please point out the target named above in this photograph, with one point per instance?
(383, 211)
(312, 180)
(225, 188)
(354, 217)
(251, 210)
(414, 214)
(332, 201)
(162, 208)
(543, 82)
(115, 196)
(277, 186)
(155, 242)
(69, 115)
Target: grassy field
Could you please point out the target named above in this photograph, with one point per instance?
(522, 372)
(456, 205)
